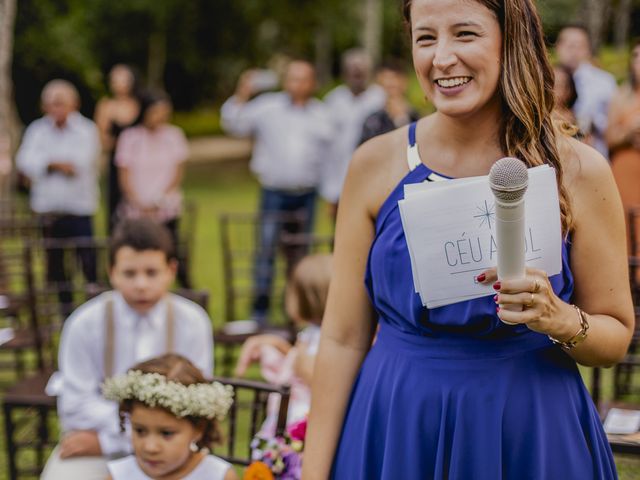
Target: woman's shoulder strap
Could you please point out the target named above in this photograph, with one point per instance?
(413, 156)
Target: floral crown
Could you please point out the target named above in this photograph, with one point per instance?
(207, 400)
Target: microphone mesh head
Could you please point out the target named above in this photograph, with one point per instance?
(508, 179)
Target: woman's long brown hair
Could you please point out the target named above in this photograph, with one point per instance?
(526, 81)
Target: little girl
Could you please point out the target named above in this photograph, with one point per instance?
(173, 413)
(281, 362)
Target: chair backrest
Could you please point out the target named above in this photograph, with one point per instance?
(17, 222)
(55, 298)
(201, 297)
(296, 245)
(246, 415)
(239, 237)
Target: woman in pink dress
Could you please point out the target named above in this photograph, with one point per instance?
(150, 159)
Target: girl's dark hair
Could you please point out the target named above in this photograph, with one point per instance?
(571, 84)
(141, 234)
(147, 100)
(179, 369)
(527, 130)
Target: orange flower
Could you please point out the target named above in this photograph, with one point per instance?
(258, 471)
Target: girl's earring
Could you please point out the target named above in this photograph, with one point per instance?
(193, 446)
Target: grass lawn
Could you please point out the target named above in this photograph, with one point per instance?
(228, 187)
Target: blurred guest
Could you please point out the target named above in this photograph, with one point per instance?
(350, 106)
(564, 90)
(59, 154)
(113, 115)
(292, 133)
(150, 160)
(594, 86)
(623, 136)
(397, 112)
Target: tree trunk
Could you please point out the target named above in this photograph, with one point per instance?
(9, 123)
(596, 16)
(622, 22)
(157, 59)
(372, 28)
(323, 53)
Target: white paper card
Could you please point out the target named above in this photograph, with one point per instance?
(450, 232)
(622, 422)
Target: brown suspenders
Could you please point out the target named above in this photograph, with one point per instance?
(109, 347)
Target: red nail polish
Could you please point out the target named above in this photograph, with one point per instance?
(495, 298)
(497, 309)
(497, 285)
(481, 277)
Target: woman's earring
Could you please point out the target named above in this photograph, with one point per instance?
(193, 446)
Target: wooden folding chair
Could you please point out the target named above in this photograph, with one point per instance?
(27, 408)
(239, 237)
(246, 415)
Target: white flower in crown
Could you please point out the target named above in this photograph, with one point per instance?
(207, 400)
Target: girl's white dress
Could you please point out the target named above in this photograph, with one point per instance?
(278, 368)
(210, 468)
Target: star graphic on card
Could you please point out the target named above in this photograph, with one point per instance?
(486, 214)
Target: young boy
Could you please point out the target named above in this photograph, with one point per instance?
(136, 321)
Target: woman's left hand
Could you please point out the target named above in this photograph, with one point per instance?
(537, 306)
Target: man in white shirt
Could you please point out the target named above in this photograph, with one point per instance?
(59, 154)
(112, 332)
(292, 133)
(594, 86)
(350, 104)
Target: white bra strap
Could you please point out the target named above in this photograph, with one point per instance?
(413, 156)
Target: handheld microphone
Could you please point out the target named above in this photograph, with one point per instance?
(508, 180)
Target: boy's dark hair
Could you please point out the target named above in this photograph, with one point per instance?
(141, 234)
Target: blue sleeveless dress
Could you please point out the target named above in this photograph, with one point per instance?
(453, 393)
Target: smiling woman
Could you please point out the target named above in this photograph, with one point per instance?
(469, 390)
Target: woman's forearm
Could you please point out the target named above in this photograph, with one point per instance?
(606, 343)
(330, 393)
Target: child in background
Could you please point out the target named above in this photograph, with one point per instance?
(282, 363)
(173, 413)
